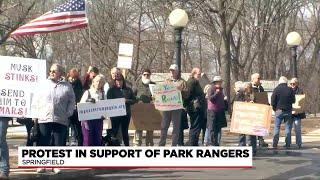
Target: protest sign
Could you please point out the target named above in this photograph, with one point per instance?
(151, 87)
(145, 117)
(299, 105)
(107, 108)
(125, 56)
(261, 97)
(251, 119)
(167, 97)
(20, 79)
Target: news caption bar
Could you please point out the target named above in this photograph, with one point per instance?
(112, 157)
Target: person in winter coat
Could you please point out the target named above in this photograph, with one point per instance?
(195, 106)
(244, 94)
(257, 88)
(281, 100)
(120, 90)
(143, 94)
(294, 84)
(174, 115)
(58, 104)
(92, 129)
(76, 132)
(216, 118)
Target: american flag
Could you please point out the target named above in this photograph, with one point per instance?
(68, 16)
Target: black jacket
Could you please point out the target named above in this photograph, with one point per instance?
(282, 98)
(142, 92)
(196, 94)
(77, 88)
(256, 89)
(126, 92)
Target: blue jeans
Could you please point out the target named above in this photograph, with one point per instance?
(175, 117)
(297, 129)
(4, 151)
(287, 118)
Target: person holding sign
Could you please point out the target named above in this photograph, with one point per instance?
(173, 115)
(216, 118)
(92, 128)
(59, 106)
(294, 84)
(257, 88)
(143, 94)
(281, 100)
(120, 90)
(244, 94)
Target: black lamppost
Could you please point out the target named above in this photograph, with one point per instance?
(293, 40)
(178, 18)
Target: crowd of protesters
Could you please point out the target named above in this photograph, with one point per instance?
(206, 108)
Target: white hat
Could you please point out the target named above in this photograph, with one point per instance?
(217, 78)
(174, 67)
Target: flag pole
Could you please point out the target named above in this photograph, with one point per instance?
(90, 43)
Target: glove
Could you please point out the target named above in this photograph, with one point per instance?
(91, 100)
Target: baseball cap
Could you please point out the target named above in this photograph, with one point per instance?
(217, 79)
(174, 67)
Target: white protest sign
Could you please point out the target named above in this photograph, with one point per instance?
(125, 56)
(151, 87)
(20, 78)
(125, 49)
(107, 108)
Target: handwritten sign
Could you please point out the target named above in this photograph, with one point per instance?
(20, 79)
(299, 105)
(167, 97)
(125, 56)
(145, 117)
(251, 119)
(107, 108)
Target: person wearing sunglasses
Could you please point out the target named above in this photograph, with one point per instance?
(58, 104)
(296, 117)
(143, 94)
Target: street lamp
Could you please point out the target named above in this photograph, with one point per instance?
(178, 18)
(293, 40)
